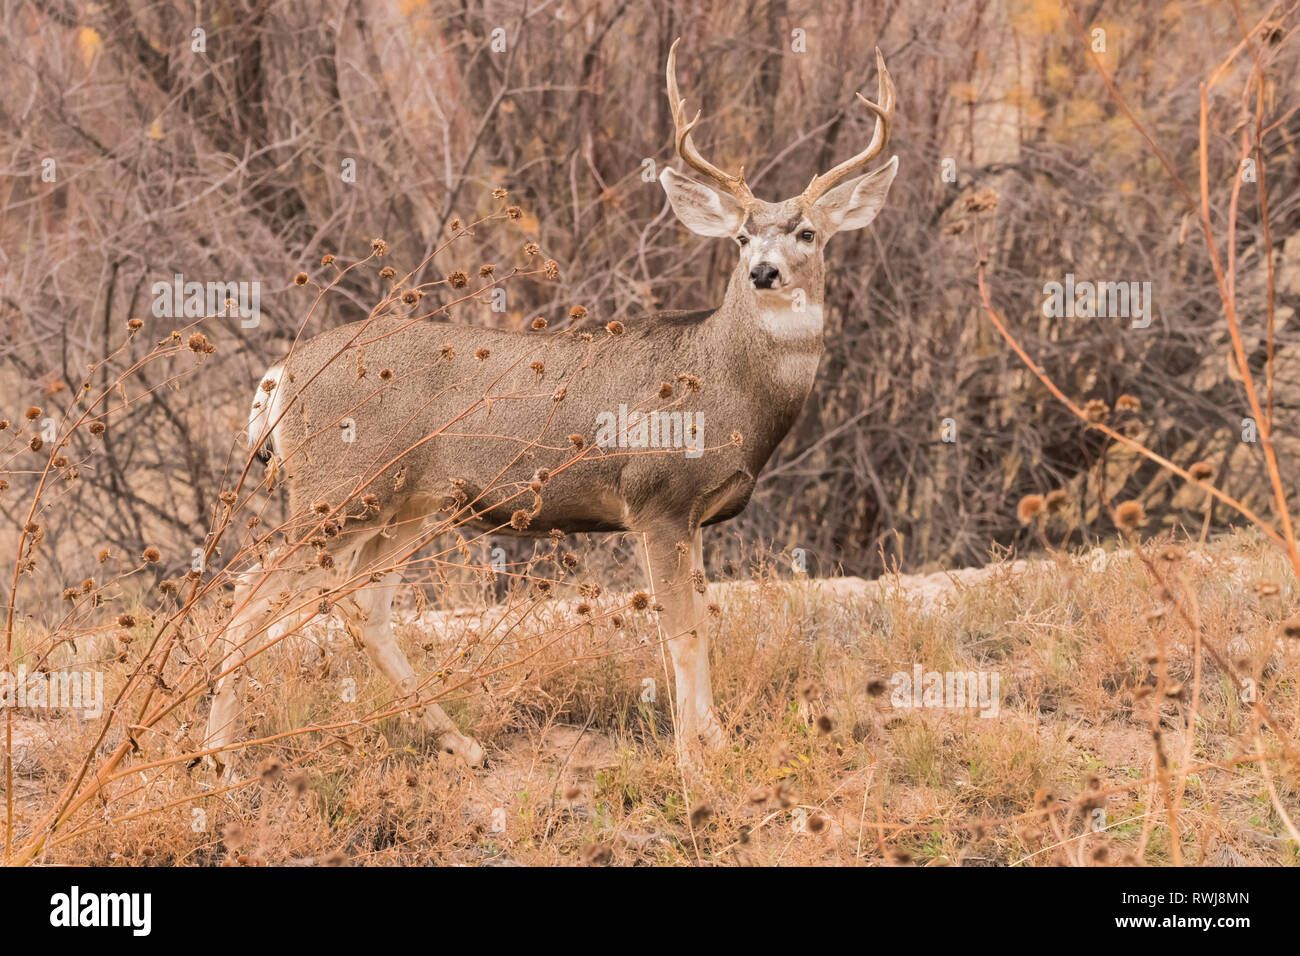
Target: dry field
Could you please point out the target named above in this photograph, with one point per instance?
(1081, 765)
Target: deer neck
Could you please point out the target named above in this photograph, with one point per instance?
(780, 337)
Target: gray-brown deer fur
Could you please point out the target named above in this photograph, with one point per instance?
(450, 434)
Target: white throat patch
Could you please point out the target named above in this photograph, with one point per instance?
(784, 323)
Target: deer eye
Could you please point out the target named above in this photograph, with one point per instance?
(743, 240)
(806, 235)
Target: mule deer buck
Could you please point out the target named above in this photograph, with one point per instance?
(470, 418)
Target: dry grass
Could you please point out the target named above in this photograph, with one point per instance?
(820, 769)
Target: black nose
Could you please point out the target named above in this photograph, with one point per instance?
(764, 275)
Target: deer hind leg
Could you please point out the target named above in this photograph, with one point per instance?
(672, 557)
(371, 624)
(268, 605)
(243, 634)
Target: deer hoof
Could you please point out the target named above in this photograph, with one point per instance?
(711, 733)
(463, 748)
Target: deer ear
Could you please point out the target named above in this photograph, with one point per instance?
(854, 204)
(702, 209)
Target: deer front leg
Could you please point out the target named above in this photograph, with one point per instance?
(672, 559)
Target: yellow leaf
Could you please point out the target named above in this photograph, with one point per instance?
(88, 41)
(963, 92)
(155, 129)
(528, 223)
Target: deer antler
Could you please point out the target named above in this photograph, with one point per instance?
(884, 111)
(686, 148)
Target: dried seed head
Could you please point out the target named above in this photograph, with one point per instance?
(232, 834)
(597, 854)
(577, 441)
(640, 601)
(300, 278)
(32, 413)
(387, 272)
(514, 212)
(539, 323)
(551, 269)
(481, 354)
(1201, 471)
(135, 325)
(1130, 516)
(982, 201)
(327, 259)
(499, 193)
(458, 279)
(152, 555)
(198, 342)
(1128, 404)
(538, 367)
(666, 390)
(615, 328)
(379, 247)
(97, 428)
(520, 520)
(1096, 412)
(1030, 507)
(690, 381)
(531, 249)
(578, 313)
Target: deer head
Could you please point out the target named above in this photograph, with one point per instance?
(781, 243)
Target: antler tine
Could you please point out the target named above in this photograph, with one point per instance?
(884, 112)
(686, 146)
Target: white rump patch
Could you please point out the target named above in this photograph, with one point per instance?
(265, 413)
